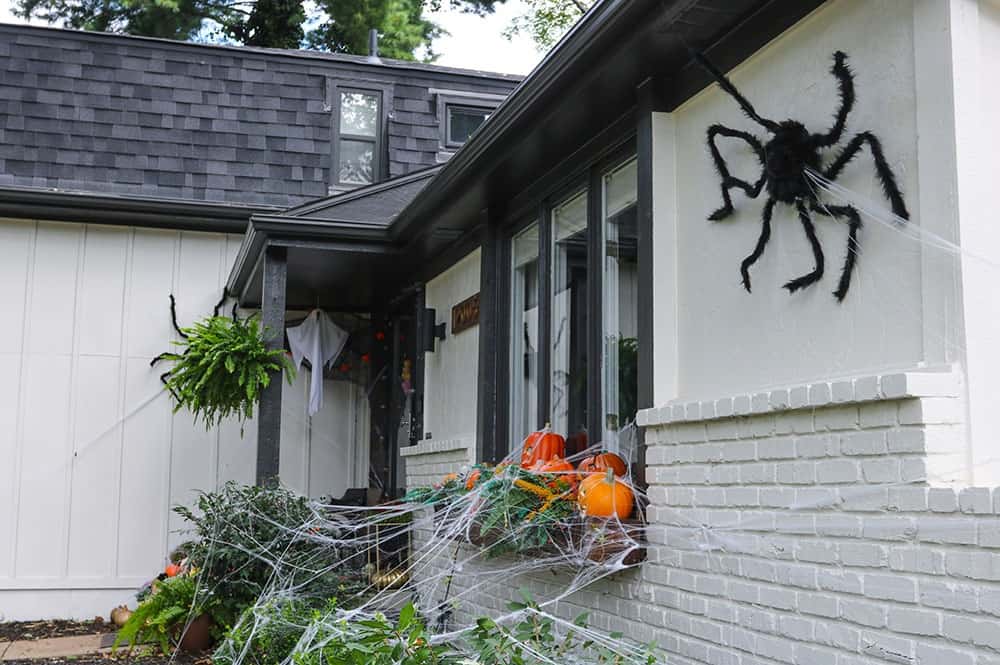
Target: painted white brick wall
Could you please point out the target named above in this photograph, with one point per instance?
(803, 534)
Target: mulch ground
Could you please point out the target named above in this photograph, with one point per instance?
(39, 630)
(178, 659)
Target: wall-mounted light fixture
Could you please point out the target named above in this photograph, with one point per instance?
(432, 330)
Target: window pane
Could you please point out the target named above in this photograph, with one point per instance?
(359, 113)
(524, 335)
(463, 121)
(569, 322)
(356, 162)
(620, 379)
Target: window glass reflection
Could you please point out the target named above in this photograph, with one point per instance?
(524, 335)
(569, 322)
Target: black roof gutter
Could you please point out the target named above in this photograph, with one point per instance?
(115, 209)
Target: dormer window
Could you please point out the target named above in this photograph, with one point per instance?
(462, 121)
(460, 114)
(359, 137)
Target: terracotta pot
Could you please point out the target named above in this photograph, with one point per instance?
(198, 636)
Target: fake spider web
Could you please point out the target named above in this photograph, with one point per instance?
(432, 552)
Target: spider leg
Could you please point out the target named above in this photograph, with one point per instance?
(158, 358)
(222, 301)
(817, 273)
(885, 174)
(173, 316)
(731, 90)
(854, 225)
(728, 181)
(765, 235)
(163, 380)
(845, 81)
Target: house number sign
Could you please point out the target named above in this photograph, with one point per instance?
(465, 315)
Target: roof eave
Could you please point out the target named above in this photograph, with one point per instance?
(125, 210)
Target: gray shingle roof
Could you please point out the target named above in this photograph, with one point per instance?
(105, 113)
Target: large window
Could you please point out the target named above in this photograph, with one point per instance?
(359, 137)
(524, 333)
(569, 322)
(574, 316)
(620, 383)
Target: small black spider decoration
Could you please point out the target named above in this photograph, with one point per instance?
(786, 158)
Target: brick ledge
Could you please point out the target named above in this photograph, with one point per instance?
(923, 382)
(435, 446)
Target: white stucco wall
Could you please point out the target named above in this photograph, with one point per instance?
(450, 371)
(91, 456)
(728, 340)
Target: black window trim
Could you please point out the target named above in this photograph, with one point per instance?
(380, 166)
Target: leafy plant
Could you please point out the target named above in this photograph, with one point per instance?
(223, 369)
(377, 641)
(267, 633)
(245, 535)
(534, 640)
(165, 610)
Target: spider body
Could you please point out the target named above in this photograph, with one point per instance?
(786, 158)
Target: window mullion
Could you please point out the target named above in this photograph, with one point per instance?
(544, 314)
(595, 307)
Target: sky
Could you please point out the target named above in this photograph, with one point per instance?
(473, 42)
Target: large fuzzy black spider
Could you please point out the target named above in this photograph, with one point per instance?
(785, 159)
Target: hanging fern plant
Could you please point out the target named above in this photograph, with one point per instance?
(223, 369)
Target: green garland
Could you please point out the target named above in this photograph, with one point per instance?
(223, 369)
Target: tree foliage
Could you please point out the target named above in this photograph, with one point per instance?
(339, 26)
(546, 21)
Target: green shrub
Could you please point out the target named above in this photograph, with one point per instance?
(250, 539)
(266, 634)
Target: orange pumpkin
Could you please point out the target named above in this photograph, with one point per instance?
(603, 495)
(560, 468)
(542, 445)
(444, 481)
(473, 478)
(173, 570)
(603, 462)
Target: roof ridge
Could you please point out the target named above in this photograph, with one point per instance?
(304, 54)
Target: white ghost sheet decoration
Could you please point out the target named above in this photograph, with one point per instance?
(319, 340)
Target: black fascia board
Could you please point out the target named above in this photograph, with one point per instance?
(125, 210)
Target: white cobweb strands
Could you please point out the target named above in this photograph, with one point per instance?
(460, 560)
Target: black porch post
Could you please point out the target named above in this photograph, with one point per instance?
(273, 320)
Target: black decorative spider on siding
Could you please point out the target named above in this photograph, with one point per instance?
(173, 320)
(785, 158)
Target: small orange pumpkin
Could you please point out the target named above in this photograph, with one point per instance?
(603, 495)
(602, 462)
(173, 570)
(560, 468)
(444, 481)
(473, 478)
(542, 445)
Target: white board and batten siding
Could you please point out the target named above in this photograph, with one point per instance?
(92, 458)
